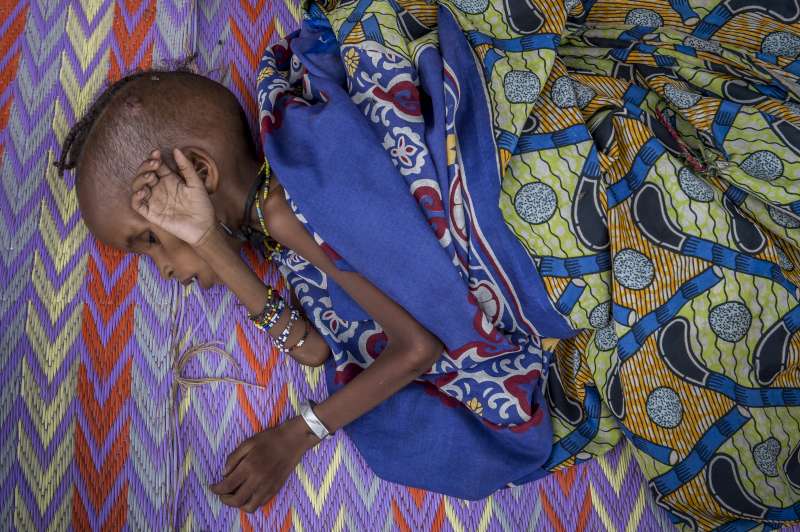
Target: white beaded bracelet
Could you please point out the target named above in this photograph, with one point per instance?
(280, 341)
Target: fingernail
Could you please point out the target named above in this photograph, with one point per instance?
(154, 153)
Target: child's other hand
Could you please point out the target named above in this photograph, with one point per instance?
(179, 205)
(257, 470)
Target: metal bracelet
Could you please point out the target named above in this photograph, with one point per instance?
(313, 422)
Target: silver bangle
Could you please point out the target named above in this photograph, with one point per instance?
(313, 422)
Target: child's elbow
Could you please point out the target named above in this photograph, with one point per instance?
(424, 350)
(314, 352)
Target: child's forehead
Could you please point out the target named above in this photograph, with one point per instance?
(106, 210)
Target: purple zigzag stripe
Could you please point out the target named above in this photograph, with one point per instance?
(150, 454)
(27, 141)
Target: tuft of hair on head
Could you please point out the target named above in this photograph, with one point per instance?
(132, 114)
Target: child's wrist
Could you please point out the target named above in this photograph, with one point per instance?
(298, 430)
(206, 237)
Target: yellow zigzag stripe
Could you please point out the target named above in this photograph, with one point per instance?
(43, 482)
(187, 524)
(598, 505)
(61, 518)
(86, 46)
(338, 524)
(280, 29)
(186, 402)
(312, 374)
(317, 497)
(296, 524)
(638, 510)
(44, 416)
(488, 511)
(458, 526)
(616, 476)
(67, 204)
(50, 355)
(56, 299)
(79, 96)
(451, 516)
(187, 464)
(295, 9)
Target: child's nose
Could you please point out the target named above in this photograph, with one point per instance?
(167, 272)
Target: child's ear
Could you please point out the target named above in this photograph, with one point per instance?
(204, 166)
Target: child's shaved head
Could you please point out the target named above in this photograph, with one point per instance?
(151, 110)
(159, 110)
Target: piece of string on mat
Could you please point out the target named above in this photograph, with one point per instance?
(182, 383)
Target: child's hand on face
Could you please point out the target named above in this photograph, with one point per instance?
(256, 471)
(179, 205)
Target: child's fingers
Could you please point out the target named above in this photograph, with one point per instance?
(162, 170)
(236, 456)
(258, 499)
(241, 496)
(139, 201)
(144, 179)
(230, 483)
(186, 168)
(148, 165)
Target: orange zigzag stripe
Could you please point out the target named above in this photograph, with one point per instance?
(98, 479)
(131, 42)
(9, 72)
(247, 83)
(262, 373)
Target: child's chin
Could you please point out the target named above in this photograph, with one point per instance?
(214, 281)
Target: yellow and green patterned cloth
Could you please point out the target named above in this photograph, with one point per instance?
(677, 251)
(649, 159)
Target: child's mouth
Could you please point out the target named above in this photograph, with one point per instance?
(189, 280)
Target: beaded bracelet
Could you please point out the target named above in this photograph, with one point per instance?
(302, 340)
(280, 341)
(269, 304)
(269, 301)
(269, 315)
(273, 318)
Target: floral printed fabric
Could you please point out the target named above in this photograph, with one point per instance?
(363, 138)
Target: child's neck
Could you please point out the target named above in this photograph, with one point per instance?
(252, 218)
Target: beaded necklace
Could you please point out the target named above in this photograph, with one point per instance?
(266, 170)
(247, 233)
